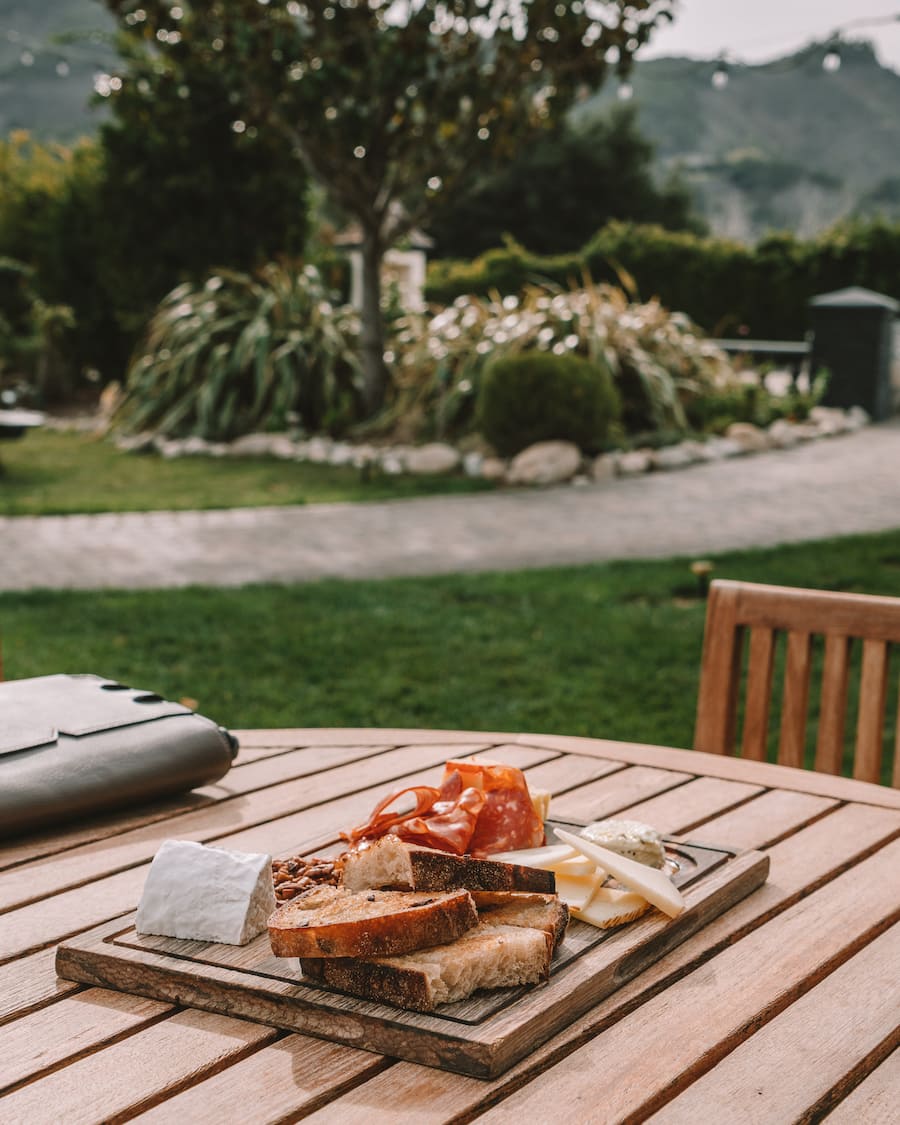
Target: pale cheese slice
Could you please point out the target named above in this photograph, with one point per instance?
(609, 907)
(540, 800)
(577, 865)
(541, 858)
(653, 884)
(577, 890)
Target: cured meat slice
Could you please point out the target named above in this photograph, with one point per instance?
(508, 820)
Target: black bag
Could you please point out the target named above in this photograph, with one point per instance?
(72, 745)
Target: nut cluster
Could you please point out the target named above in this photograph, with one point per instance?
(298, 873)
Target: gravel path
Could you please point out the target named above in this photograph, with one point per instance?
(833, 487)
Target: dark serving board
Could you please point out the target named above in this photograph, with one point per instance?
(482, 1036)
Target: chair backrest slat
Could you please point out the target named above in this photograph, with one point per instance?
(795, 703)
(833, 706)
(755, 735)
(767, 612)
(872, 700)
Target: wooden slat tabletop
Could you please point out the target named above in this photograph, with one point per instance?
(784, 1008)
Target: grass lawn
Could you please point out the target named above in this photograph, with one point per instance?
(609, 650)
(51, 473)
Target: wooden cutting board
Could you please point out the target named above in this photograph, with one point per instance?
(482, 1036)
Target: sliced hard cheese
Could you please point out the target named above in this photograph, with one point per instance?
(576, 890)
(541, 858)
(206, 894)
(540, 800)
(608, 907)
(655, 886)
(577, 865)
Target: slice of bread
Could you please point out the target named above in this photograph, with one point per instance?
(336, 922)
(486, 957)
(389, 862)
(511, 908)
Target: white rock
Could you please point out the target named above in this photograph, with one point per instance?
(472, 463)
(857, 417)
(604, 468)
(206, 894)
(263, 445)
(393, 466)
(433, 459)
(783, 434)
(718, 448)
(806, 431)
(749, 437)
(341, 454)
(137, 443)
(493, 468)
(545, 462)
(318, 450)
(828, 420)
(635, 462)
(675, 456)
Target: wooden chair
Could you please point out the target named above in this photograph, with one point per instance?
(766, 612)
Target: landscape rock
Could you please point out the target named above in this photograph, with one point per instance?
(263, 445)
(434, 459)
(857, 417)
(136, 443)
(828, 420)
(783, 434)
(603, 468)
(318, 450)
(472, 463)
(493, 468)
(341, 454)
(545, 462)
(749, 437)
(719, 448)
(635, 462)
(676, 456)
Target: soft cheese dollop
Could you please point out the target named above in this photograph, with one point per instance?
(201, 893)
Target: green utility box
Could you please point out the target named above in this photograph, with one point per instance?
(853, 337)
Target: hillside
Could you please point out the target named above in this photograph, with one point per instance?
(49, 53)
(783, 146)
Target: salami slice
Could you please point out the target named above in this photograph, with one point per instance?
(508, 821)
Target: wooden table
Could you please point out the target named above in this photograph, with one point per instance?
(785, 1008)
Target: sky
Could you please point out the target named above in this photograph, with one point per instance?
(754, 31)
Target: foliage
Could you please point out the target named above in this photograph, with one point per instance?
(45, 214)
(390, 104)
(723, 286)
(751, 401)
(245, 352)
(33, 339)
(210, 197)
(658, 360)
(583, 178)
(538, 396)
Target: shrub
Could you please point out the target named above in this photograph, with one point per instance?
(658, 360)
(245, 352)
(539, 396)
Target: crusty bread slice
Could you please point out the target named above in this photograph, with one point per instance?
(486, 957)
(512, 908)
(336, 922)
(389, 862)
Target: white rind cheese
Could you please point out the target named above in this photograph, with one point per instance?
(655, 886)
(206, 894)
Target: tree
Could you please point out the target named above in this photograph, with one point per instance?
(391, 103)
(555, 195)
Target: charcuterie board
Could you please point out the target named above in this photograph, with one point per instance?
(482, 1036)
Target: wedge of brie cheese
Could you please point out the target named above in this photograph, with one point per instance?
(206, 894)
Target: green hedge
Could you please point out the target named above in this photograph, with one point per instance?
(725, 286)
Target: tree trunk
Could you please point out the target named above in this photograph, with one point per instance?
(372, 337)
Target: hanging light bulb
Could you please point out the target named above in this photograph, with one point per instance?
(831, 60)
(625, 91)
(720, 75)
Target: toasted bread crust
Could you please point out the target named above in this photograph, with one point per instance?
(408, 867)
(480, 959)
(539, 912)
(335, 922)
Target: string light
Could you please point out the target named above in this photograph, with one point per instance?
(720, 75)
(831, 60)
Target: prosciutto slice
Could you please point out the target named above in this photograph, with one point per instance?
(480, 808)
